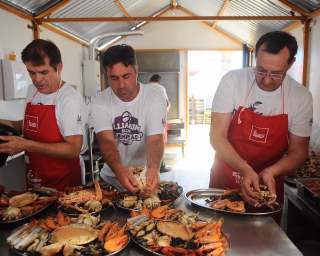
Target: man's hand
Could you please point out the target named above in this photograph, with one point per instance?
(14, 145)
(250, 179)
(266, 178)
(127, 179)
(152, 179)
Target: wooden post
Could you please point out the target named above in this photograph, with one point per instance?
(36, 30)
(305, 52)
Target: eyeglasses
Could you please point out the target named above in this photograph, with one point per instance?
(273, 76)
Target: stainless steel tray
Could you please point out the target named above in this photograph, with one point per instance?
(225, 241)
(24, 253)
(199, 196)
(307, 192)
(127, 208)
(11, 221)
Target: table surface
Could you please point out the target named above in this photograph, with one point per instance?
(249, 235)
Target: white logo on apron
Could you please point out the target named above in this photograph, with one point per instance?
(33, 179)
(259, 134)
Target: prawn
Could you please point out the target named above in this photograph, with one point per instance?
(116, 244)
(51, 224)
(103, 232)
(63, 219)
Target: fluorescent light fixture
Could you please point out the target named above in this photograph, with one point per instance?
(110, 42)
(141, 23)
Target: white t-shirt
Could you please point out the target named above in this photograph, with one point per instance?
(235, 85)
(161, 89)
(71, 110)
(132, 122)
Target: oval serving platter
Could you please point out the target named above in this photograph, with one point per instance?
(24, 253)
(11, 221)
(129, 208)
(199, 197)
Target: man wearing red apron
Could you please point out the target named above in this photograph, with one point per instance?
(270, 114)
(53, 124)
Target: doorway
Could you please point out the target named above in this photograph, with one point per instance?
(205, 70)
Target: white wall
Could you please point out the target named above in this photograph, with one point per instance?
(185, 35)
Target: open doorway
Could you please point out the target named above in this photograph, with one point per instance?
(206, 68)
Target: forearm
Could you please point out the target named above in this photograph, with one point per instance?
(155, 151)
(15, 124)
(227, 152)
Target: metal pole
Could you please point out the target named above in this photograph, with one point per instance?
(90, 153)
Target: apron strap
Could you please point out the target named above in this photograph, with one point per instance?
(54, 97)
(245, 102)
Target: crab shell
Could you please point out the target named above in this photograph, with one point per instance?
(73, 234)
(174, 229)
(11, 213)
(22, 200)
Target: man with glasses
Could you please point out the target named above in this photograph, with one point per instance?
(259, 114)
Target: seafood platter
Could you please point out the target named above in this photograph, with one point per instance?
(310, 169)
(165, 193)
(310, 188)
(92, 198)
(63, 235)
(232, 201)
(171, 232)
(20, 205)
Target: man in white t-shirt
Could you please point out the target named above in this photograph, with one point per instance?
(259, 114)
(129, 119)
(53, 125)
(155, 82)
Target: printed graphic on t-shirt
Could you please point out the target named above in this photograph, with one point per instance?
(255, 107)
(32, 123)
(79, 121)
(259, 134)
(311, 122)
(126, 129)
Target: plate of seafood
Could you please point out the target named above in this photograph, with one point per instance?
(167, 192)
(231, 201)
(21, 205)
(92, 198)
(166, 231)
(85, 234)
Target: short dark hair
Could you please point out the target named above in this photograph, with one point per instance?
(155, 78)
(38, 50)
(119, 53)
(277, 40)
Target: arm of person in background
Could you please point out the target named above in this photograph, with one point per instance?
(168, 105)
(111, 155)
(296, 157)
(70, 148)
(220, 123)
(155, 150)
(14, 124)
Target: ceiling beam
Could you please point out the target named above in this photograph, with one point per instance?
(13, 10)
(53, 9)
(292, 26)
(313, 14)
(221, 12)
(124, 11)
(174, 3)
(293, 7)
(36, 30)
(183, 18)
(305, 52)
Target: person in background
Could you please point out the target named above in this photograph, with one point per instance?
(155, 82)
(259, 114)
(129, 119)
(53, 124)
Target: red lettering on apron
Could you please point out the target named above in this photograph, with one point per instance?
(42, 170)
(261, 141)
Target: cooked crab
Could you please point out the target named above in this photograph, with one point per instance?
(264, 194)
(22, 200)
(12, 213)
(93, 206)
(129, 201)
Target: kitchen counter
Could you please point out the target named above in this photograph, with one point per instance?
(249, 235)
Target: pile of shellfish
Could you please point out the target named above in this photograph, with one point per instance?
(173, 232)
(164, 193)
(85, 235)
(20, 204)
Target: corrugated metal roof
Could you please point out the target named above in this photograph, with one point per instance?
(306, 5)
(245, 31)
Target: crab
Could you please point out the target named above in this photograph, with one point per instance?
(264, 194)
(12, 213)
(23, 199)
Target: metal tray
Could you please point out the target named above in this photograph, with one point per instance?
(23, 253)
(126, 208)
(290, 180)
(307, 192)
(199, 196)
(11, 221)
(225, 241)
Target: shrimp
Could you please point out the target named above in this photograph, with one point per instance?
(51, 224)
(103, 232)
(63, 219)
(111, 231)
(216, 252)
(210, 247)
(116, 244)
(42, 224)
(160, 212)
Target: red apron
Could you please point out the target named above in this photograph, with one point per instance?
(261, 141)
(40, 124)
